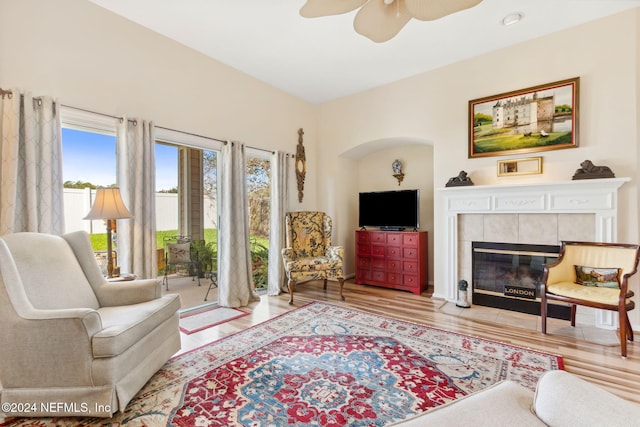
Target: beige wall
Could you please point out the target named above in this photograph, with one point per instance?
(433, 107)
(90, 58)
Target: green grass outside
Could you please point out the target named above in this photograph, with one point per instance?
(488, 140)
(99, 241)
(259, 250)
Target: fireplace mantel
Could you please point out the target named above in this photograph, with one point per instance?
(596, 196)
(587, 195)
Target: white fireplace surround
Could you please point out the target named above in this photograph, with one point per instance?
(589, 196)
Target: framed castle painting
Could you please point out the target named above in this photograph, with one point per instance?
(537, 118)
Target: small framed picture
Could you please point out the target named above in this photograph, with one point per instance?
(528, 166)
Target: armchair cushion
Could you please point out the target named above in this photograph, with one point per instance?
(599, 277)
(335, 252)
(179, 253)
(123, 326)
(308, 233)
(587, 293)
(61, 283)
(131, 292)
(314, 264)
(593, 255)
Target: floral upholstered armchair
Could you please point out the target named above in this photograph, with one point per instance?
(309, 254)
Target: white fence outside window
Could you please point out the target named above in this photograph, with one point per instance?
(78, 201)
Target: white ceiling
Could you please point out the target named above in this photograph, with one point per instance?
(321, 59)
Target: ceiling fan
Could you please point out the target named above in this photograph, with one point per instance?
(381, 20)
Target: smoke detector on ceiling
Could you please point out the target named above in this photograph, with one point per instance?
(512, 18)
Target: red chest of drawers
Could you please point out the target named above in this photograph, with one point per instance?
(392, 259)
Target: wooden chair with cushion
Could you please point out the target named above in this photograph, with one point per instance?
(594, 275)
(309, 254)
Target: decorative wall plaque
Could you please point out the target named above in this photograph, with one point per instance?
(301, 165)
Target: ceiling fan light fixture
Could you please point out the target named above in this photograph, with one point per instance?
(512, 18)
(378, 22)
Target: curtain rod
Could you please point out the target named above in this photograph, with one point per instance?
(220, 140)
(135, 122)
(174, 130)
(10, 93)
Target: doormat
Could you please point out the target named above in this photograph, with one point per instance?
(192, 323)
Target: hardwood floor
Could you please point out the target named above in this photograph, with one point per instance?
(599, 364)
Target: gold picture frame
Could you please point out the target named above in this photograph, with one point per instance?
(538, 118)
(526, 166)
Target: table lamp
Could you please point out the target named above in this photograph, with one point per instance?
(108, 206)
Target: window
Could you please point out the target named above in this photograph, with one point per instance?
(88, 162)
(88, 159)
(258, 175)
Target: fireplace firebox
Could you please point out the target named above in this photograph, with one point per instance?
(508, 275)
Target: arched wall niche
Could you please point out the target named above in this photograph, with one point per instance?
(371, 162)
(365, 148)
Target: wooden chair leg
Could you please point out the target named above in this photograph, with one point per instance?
(629, 328)
(543, 314)
(623, 332)
(292, 284)
(573, 315)
(325, 284)
(341, 285)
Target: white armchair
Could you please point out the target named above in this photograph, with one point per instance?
(68, 335)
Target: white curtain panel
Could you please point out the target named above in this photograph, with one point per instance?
(136, 179)
(235, 287)
(279, 206)
(31, 161)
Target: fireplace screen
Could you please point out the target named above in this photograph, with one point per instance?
(508, 275)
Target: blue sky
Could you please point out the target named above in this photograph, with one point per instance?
(91, 157)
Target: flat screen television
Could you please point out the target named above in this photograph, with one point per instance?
(389, 210)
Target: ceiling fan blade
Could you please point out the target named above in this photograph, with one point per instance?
(429, 10)
(379, 21)
(316, 8)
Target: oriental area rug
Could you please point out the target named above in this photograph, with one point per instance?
(322, 365)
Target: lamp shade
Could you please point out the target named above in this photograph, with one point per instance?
(108, 205)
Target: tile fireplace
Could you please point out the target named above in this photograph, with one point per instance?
(532, 212)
